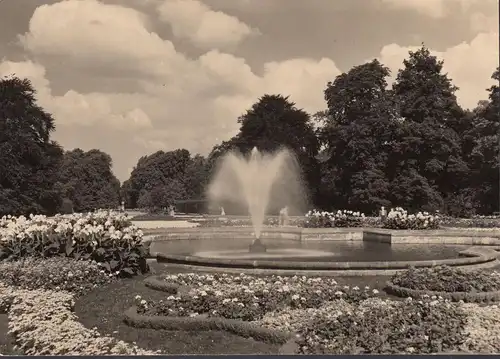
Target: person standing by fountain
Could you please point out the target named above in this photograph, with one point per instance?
(222, 212)
(383, 214)
(283, 217)
(171, 211)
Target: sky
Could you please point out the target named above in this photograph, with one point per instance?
(131, 77)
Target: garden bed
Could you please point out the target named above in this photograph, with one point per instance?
(327, 317)
(448, 283)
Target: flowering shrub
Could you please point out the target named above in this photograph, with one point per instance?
(398, 218)
(57, 273)
(341, 218)
(43, 323)
(447, 279)
(387, 327)
(246, 297)
(106, 237)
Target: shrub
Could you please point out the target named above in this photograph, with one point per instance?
(387, 328)
(398, 218)
(57, 273)
(106, 237)
(447, 279)
(341, 218)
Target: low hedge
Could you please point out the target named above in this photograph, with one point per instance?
(155, 283)
(244, 329)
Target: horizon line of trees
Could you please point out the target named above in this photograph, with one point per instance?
(411, 145)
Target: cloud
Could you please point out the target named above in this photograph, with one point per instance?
(433, 8)
(88, 31)
(178, 102)
(175, 101)
(74, 108)
(205, 28)
(468, 64)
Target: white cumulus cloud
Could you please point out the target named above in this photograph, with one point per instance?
(178, 101)
(194, 20)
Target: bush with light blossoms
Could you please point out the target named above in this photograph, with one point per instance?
(398, 218)
(340, 219)
(107, 237)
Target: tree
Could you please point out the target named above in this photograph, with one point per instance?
(485, 153)
(162, 196)
(29, 160)
(88, 181)
(195, 177)
(428, 143)
(274, 122)
(153, 173)
(357, 129)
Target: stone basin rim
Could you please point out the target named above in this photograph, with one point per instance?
(471, 256)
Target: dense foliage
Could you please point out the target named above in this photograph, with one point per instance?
(87, 181)
(162, 178)
(410, 145)
(107, 238)
(29, 159)
(447, 279)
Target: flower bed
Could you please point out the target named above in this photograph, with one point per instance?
(39, 294)
(446, 282)
(327, 318)
(106, 237)
(386, 327)
(447, 279)
(245, 297)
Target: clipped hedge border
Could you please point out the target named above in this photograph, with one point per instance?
(244, 329)
(155, 283)
(476, 297)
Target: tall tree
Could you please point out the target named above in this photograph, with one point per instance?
(88, 181)
(29, 160)
(195, 177)
(154, 172)
(428, 147)
(274, 122)
(485, 152)
(357, 129)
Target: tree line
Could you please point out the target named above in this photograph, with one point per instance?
(410, 145)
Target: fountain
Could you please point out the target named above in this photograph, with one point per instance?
(252, 181)
(263, 182)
